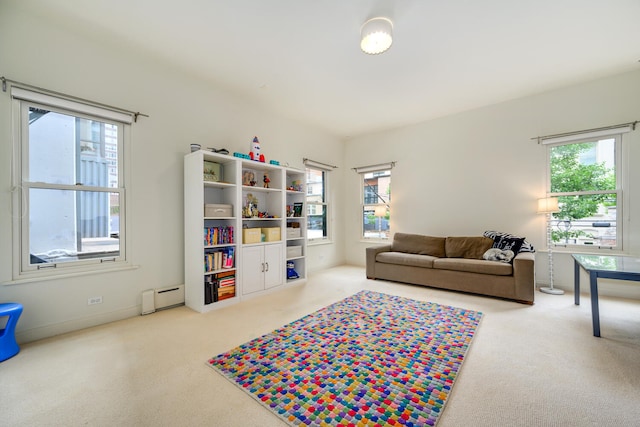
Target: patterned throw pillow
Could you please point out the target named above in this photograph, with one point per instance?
(508, 244)
(497, 236)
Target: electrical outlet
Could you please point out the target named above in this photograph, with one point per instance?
(94, 300)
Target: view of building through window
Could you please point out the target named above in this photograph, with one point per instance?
(72, 164)
(317, 207)
(584, 177)
(376, 190)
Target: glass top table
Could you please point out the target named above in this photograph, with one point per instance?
(606, 266)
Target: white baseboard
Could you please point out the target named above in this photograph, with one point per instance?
(47, 331)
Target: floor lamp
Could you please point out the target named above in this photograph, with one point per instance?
(549, 205)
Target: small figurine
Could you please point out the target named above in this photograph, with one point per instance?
(251, 207)
(266, 180)
(291, 272)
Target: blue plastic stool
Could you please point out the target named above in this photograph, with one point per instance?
(8, 345)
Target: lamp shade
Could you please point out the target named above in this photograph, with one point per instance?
(380, 211)
(548, 205)
(375, 36)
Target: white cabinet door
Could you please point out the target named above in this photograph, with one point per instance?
(252, 269)
(273, 266)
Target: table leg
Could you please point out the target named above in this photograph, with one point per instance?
(576, 282)
(595, 314)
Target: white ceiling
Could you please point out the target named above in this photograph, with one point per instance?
(301, 58)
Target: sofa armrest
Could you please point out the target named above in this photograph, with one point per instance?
(524, 275)
(372, 251)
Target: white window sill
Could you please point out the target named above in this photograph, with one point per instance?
(319, 242)
(62, 275)
(376, 241)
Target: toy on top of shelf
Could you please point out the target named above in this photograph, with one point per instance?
(255, 151)
(266, 180)
(219, 150)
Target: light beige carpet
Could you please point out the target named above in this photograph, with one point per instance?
(528, 366)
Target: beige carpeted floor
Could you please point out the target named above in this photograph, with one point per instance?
(528, 365)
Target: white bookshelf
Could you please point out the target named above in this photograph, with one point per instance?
(250, 259)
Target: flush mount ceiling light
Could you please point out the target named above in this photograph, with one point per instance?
(376, 36)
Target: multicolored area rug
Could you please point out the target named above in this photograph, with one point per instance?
(370, 359)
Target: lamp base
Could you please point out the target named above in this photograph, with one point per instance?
(552, 291)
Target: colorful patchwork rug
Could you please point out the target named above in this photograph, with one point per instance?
(370, 359)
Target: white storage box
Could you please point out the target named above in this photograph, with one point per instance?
(251, 235)
(271, 234)
(294, 251)
(214, 210)
(293, 233)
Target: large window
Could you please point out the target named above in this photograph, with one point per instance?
(376, 197)
(585, 176)
(317, 204)
(69, 206)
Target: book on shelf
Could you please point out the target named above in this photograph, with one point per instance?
(227, 282)
(218, 235)
(219, 259)
(219, 286)
(224, 274)
(226, 292)
(210, 292)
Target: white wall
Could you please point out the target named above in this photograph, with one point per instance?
(480, 170)
(182, 110)
(457, 175)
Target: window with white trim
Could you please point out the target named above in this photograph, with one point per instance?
(69, 185)
(317, 204)
(375, 184)
(585, 175)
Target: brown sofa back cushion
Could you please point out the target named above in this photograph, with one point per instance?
(467, 247)
(419, 244)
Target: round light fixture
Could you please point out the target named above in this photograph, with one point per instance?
(375, 36)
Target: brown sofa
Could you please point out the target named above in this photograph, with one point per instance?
(454, 263)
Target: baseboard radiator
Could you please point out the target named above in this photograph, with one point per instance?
(160, 299)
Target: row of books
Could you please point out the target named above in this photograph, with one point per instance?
(218, 235)
(220, 286)
(219, 259)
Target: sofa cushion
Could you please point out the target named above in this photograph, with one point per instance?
(401, 258)
(467, 247)
(474, 266)
(418, 244)
(508, 243)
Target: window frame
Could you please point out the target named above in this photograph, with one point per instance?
(618, 191)
(23, 269)
(325, 203)
(380, 203)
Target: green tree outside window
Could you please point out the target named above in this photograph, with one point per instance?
(573, 170)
